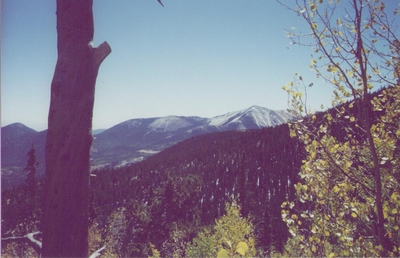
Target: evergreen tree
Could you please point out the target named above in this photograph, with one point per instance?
(31, 181)
(30, 195)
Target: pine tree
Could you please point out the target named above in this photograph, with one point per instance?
(31, 187)
(31, 181)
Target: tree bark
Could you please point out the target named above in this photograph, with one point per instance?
(69, 138)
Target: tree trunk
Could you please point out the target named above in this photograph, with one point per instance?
(362, 59)
(69, 138)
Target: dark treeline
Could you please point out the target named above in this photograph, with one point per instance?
(186, 186)
(174, 193)
(191, 181)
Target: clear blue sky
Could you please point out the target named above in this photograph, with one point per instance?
(202, 58)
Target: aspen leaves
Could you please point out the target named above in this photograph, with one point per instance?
(352, 161)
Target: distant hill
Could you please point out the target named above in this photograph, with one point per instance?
(130, 141)
(16, 140)
(97, 131)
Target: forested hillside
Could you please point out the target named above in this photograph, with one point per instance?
(326, 185)
(186, 187)
(167, 199)
(189, 183)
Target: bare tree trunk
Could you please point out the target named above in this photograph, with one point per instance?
(65, 218)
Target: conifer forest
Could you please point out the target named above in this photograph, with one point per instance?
(325, 184)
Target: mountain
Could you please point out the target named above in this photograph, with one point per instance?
(136, 139)
(130, 141)
(255, 117)
(16, 140)
(97, 131)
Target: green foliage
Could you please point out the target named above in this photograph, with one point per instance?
(165, 199)
(116, 232)
(95, 237)
(14, 249)
(31, 187)
(232, 234)
(204, 245)
(170, 195)
(241, 249)
(348, 196)
(21, 210)
(31, 166)
(154, 251)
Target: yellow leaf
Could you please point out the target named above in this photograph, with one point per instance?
(313, 7)
(241, 251)
(331, 255)
(354, 215)
(394, 211)
(335, 189)
(243, 245)
(314, 25)
(222, 254)
(299, 94)
(313, 248)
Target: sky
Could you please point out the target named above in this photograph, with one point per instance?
(189, 58)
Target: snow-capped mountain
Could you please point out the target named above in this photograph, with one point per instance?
(135, 139)
(250, 118)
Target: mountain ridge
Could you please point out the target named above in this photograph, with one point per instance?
(132, 140)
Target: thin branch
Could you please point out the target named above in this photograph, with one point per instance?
(29, 239)
(97, 253)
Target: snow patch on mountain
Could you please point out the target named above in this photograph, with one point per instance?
(148, 151)
(134, 123)
(255, 115)
(169, 124)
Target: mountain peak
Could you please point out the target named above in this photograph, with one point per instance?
(255, 107)
(18, 127)
(250, 118)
